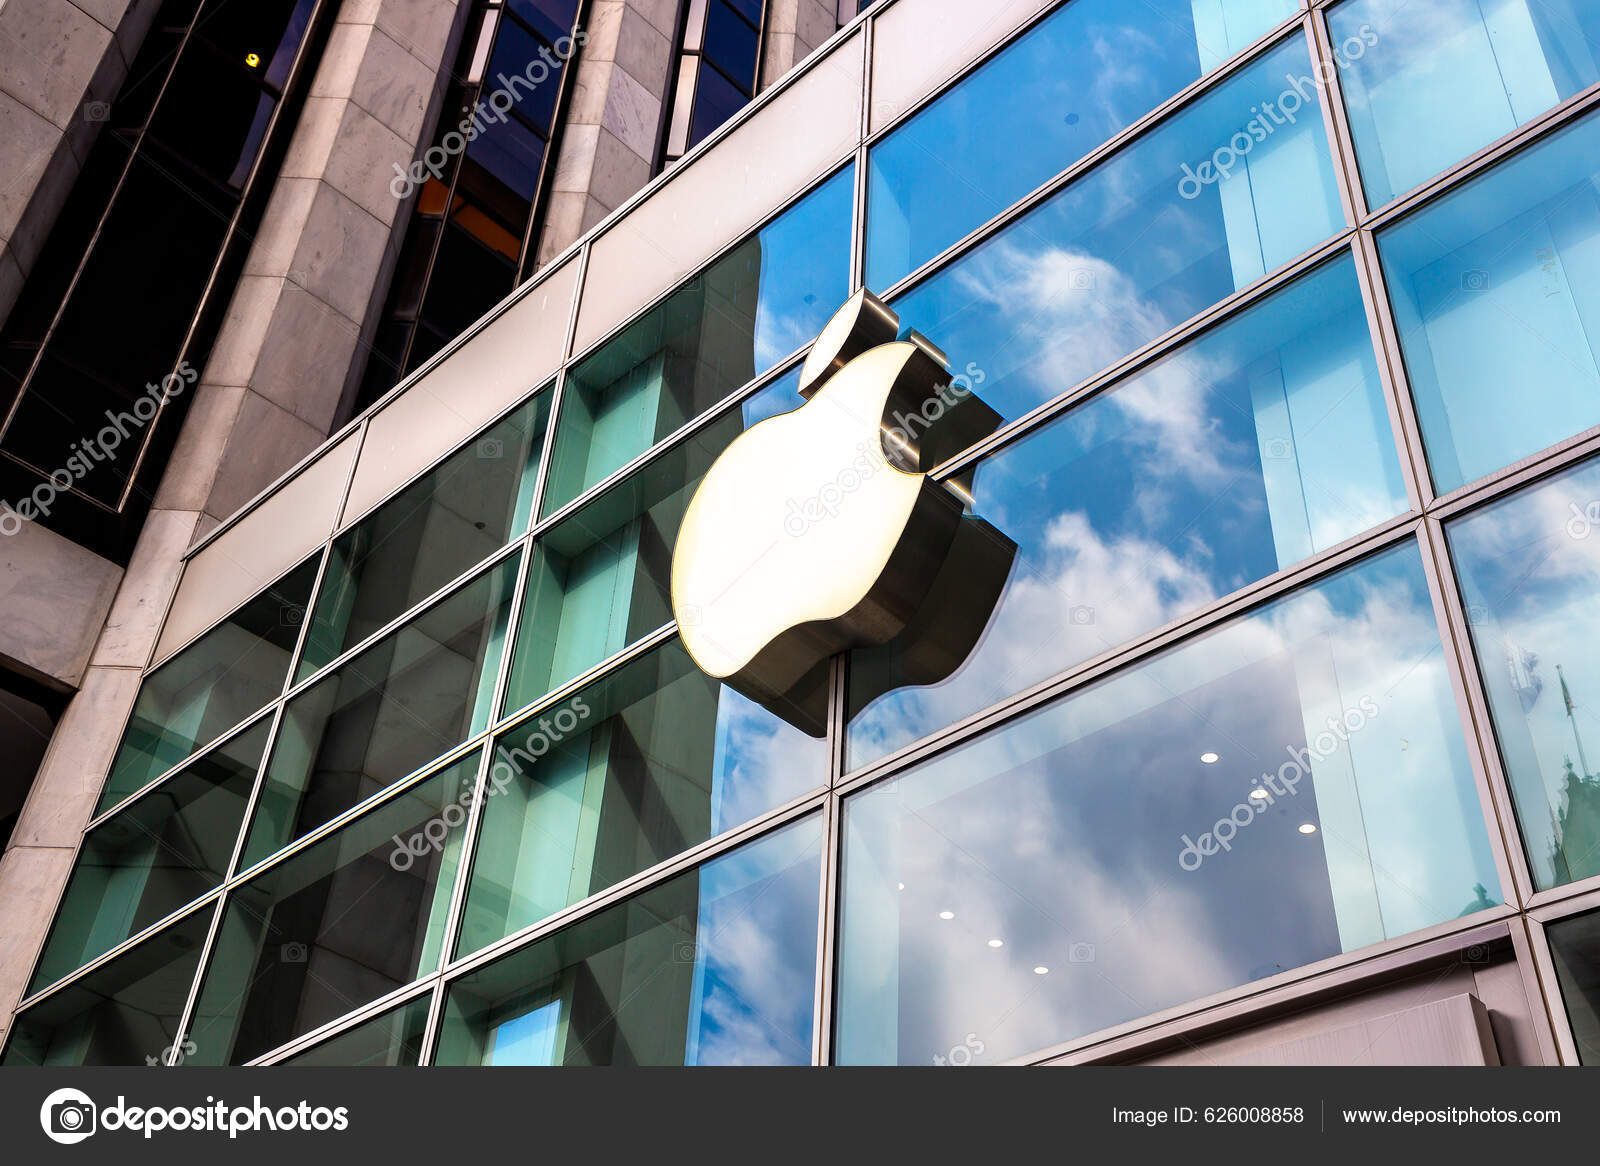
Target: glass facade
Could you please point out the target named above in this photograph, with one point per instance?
(1494, 285)
(1091, 862)
(1183, 216)
(768, 296)
(1245, 451)
(713, 967)
(1575, 950)
(1087, 71)
(211, 685)
(1280, 615)
(1429, 82)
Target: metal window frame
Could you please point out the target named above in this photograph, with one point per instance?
(1525, 912)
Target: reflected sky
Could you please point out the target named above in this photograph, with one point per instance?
(1493, 286)
(756, 952)
(766, 298)
(1428, 82)
(714, 967)
(1529, 568)
(1084, 73)
(1263, 442)
(1060, 835)
(1128, 251)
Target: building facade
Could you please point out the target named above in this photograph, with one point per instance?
(386, 748)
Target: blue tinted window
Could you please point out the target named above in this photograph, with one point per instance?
(1496, 294)
(653, 758)
(714, 967)
(1291, 786)
(1080, 76)
(1206, 203)
(756, 305)
(1529, 568)
(731, 42)
(1249, 449)
(1428, 82)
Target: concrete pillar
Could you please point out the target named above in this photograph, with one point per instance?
(267, 397)
(607, 149)
(794, 30)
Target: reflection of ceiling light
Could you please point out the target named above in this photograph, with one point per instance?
(1040, 970)
(1258, 793)
(1307, 828)
(900, 886)
(1209, 758)
(947, 914)
(997, 943)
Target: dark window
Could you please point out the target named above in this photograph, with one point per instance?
(128, 288)
(475, 219)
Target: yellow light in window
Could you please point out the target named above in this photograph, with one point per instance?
(252, 59)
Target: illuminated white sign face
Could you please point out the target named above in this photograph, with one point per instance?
(807, 536)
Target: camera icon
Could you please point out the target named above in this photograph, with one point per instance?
(1081, 953)
(1278, 448)
(292, 953)
(683, 952)
(1081, 616)
(96, 111)
(1080, 279)
(1475, 279)
(491, 449)
(291, 615)
(68, 1116)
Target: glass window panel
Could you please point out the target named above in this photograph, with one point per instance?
(1249, 449)
(1529, 567)
(601, 578)
(212, 685)
(411, 697)
(1287, 787)
(552, 18)
(391, 1038)
(764, 300)
(715, 967)
(1078, 77)
(157, 855)
(1496, 294)
(651, 760)
(506, 178)
(518, 68)
(1428, 82)
(1172, 223)
(474, 269)
(452, 517)
(124, 1013)
(336, 926)
(731, 43)
(716, 99)
(1575, 950)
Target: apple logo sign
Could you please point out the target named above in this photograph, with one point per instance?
(819, 530)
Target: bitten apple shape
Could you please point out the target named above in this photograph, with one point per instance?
(809, 535)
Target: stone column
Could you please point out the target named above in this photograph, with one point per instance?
(606, 149)
(266, 398)
(794, 30)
